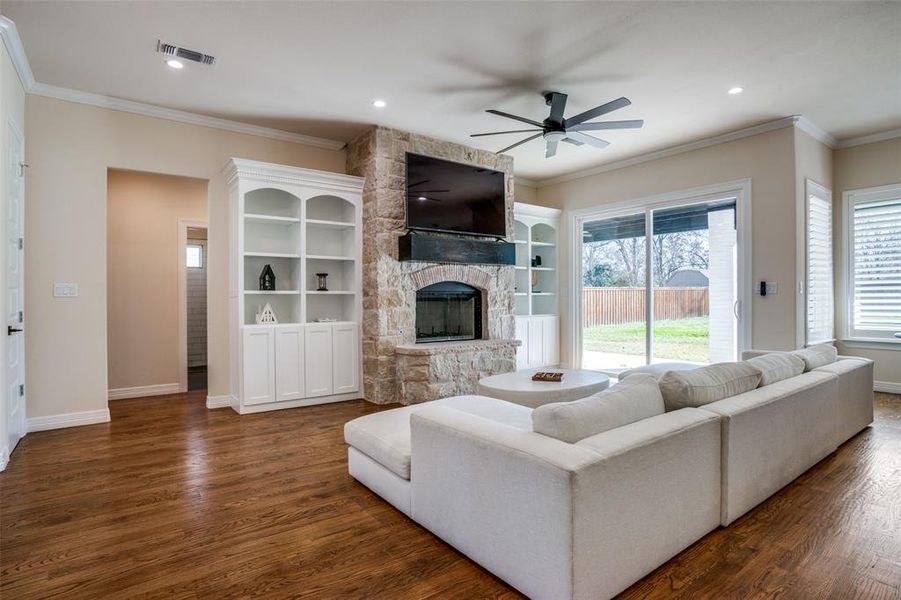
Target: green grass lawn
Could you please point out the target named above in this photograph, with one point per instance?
(677, 339)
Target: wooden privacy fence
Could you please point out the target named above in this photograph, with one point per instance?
(609, 305)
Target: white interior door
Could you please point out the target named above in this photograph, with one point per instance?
(15, 289)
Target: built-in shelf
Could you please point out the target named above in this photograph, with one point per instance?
(520, 242)
(270, 219)
(543, 269)
(543, 294)
(520, 294)
(330, 224)
(272, 292)
(330, 292)
(323, 257)
(271, 255)
(546, 244)
(518, 268)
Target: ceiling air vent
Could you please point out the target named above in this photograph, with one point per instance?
(177, 51)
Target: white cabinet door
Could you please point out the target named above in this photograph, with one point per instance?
(522, 334)
(259, 365)
(318, 359)
(536, 342)
(550, 327)
(289, 363)
(345, 358)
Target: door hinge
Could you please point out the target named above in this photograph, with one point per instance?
(21, 389)
(21, 317)
(21, 243)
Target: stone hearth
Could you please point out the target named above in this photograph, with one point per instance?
(395, 368)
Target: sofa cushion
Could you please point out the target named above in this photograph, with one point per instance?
(385, 436)
(658, 369)
(817, 356)
(633, 399)
(708, 384)
(777, 366)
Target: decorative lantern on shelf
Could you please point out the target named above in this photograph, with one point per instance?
(322, 283)
(267, 279)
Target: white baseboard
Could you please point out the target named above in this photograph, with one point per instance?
(218, 401)
(888, 387)
(4, 458)
(88, 417)
(142, 391)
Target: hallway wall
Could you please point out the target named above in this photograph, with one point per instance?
(143, 210)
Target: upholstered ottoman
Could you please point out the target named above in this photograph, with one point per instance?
(379, 444)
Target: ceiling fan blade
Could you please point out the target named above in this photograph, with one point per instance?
(587, 139)
(597, 111)
(528, 139)
(503, 132)
(636, 124)
(550, 150)
(573, 142)
(558, 105)
(514, 117)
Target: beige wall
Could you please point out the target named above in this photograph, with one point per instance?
(869, 165)
(70, 147)
(12, 110)
(768, 160)
(813, 160)
(524, 193)
(143, 213)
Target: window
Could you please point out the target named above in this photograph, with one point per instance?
(873, 258)
(820, 306)
(194, 255)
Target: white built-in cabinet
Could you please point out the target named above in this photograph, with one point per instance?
(536, 289)
(300, 222)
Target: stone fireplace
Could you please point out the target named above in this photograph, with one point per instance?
(398, 364)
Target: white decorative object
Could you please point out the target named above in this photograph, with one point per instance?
(536, 285)
(301, 222)
(266, 316)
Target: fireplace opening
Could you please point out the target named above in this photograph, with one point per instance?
(448, 311)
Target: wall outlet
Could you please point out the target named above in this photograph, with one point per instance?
(65, 290)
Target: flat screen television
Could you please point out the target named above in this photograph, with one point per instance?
(454, 198)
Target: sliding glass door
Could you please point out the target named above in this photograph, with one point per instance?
(660, 285)
(614, 299)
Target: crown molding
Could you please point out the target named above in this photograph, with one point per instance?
(808, 127)
(171, 114)
(674, 150)
(870, 139)
(16, 51)
(529, 183)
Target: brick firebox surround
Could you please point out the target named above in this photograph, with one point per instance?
(395, 368)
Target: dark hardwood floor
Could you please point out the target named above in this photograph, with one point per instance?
(173, 500)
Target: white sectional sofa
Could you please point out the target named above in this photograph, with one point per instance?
(582, 499)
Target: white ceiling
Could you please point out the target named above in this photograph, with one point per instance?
(314, 68)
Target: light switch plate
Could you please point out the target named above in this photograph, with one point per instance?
(65, 290)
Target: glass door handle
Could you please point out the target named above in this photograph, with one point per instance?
(736, 309)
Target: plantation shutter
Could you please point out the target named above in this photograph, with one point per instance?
(876, 268)
(820, 308)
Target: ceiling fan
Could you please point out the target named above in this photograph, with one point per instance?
(556, 129)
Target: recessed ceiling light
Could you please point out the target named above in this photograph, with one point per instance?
(379, 103)
(736, 90)
(422, 198)
(175, 64)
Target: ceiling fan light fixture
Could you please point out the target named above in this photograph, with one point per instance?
(554, 136)
(175, 64)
